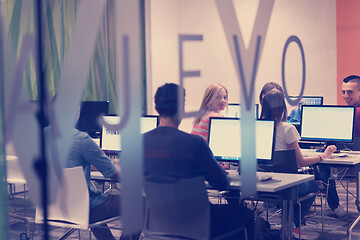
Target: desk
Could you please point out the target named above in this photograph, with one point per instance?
(352, 160)
(97, 176)
(283, 186)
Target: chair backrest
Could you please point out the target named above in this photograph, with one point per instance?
(71, 207)
(283, 162)
(13, 171)
(178, 209)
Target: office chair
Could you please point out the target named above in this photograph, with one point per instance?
(15, 176)
(285, 162)
(71, 208)
(178, 210)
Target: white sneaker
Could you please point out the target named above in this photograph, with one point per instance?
(339, 212)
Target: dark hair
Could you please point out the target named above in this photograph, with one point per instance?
(267, 87)
(353, 78)
(167, 99)
(273, 106)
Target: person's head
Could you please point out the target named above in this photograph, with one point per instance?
(167, 101)
(273, 106)
(351, 90)
(267, 87)
(215, 98)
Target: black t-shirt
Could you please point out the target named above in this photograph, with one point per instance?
(171, 154)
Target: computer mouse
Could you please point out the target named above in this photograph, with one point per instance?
(264, 177)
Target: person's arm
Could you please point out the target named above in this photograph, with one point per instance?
(214, 174)
(95, 156)
(308, 161)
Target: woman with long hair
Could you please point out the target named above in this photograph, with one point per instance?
(287, 137)
(214, 101)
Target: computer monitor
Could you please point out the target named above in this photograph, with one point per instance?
(327, 123)
(89, 114)
(111, 141)
(148, 123)
(225, 141)
(295, 111)
(233, 111)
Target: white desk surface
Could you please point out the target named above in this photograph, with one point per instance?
(351, 158)
(279, 181)
(96, 174)
(11, 158)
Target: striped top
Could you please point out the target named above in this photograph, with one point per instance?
(202, 127)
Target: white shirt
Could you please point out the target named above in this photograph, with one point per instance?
(286, 134)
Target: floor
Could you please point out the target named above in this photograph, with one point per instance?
(335, 228)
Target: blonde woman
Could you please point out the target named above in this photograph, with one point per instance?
(214, 101)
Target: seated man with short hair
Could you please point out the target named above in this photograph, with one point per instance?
(171, 155)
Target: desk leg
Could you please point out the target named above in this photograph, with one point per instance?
(287, 220)
(355, 222)
(357, 189)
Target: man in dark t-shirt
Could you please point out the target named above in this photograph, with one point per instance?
(171, 155)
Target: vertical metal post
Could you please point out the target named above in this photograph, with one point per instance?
(3, 196)
(41, 164)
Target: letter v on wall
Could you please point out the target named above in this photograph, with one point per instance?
(245, 59)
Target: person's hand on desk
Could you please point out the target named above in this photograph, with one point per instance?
(328, 152)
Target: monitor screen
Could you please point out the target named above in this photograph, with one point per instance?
(327, 123)
(225, 141)
(295, 111)
(111, 141)
(148, 123)
(89, 113)
(233, 110)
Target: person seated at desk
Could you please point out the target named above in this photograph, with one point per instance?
(214, 101)
(171, 155)
(351, 93)
(322, 172)
(287, 137)
(84, 152)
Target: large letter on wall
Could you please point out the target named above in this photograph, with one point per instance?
(246, 61)
(129, 70)
(184, 74)
(22, 127)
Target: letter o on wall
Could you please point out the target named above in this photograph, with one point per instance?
(296, 40)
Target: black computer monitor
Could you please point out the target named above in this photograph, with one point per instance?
(89, 114)
(330, 124)
(225, 141)
(110, 141)
(295, 111)
(233, 111)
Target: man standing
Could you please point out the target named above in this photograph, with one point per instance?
(171, 155)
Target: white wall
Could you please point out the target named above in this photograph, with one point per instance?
(313, 22)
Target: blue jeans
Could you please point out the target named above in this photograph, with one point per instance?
(304, 189)
(323, 174)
